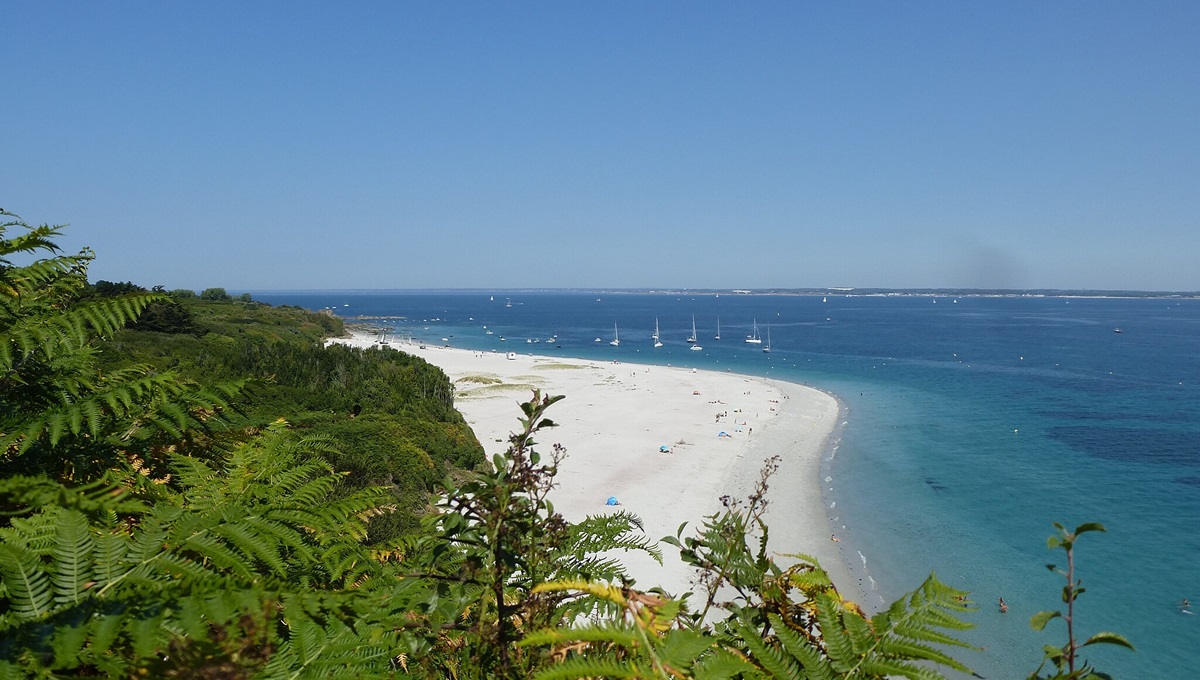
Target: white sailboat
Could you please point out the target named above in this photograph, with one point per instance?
(718, 336)
(692, 338)
(767, 347)
(753, 338)
(657, 341)
(616, 338)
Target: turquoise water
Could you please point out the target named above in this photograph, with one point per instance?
(971, 427)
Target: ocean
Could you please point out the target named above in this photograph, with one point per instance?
(971, 425)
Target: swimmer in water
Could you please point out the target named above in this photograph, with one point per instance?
(1003, 606)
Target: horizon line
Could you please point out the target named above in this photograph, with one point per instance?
(842, 290)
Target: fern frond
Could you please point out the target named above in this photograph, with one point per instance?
(620, 531)
(205, 486)
(681, 647)
(26, 582)
(605, 592)
(306, 489)
(723, 665)
(108, 558)
(591, 667)
(611, 633)
(251, 544)
(32, 240)
(135, 394)
(69, 328)
(281, 534)
(902, 634)
(72, 557)
(177, 566)
(147, 635)
(211, 548)
(815, 666)
(35, 532)
(765, 656)
(838, 645)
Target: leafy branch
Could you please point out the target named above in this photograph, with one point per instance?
(1065, 659)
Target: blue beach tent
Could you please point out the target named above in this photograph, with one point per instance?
(612, 500)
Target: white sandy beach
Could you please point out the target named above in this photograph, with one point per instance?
(615, 418)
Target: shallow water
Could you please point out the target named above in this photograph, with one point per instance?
(972, 426)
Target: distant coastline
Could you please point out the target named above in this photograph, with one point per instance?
(799, 292)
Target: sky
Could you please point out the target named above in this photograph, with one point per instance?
(297, 145)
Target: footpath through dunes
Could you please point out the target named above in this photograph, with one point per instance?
(717, 430)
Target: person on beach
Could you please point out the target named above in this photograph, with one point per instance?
(1003, 606)
(834, 538)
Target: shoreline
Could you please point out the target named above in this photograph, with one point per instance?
(720, 428)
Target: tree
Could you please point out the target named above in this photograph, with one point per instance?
(167, 316)
(110, 289)
(215, 294)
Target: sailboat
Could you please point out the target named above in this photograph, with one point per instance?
(767, 348)
(616, 338)
(657, 342)
(718, 336)
(753, 338)
(692, 339)
(508, 302)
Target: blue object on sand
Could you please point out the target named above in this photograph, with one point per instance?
(664, 449)
(612, 500)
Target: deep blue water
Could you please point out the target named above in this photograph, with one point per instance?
(971, 427)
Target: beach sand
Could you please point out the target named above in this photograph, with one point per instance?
(615, 418)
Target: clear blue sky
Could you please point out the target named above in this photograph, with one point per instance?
(282, 145)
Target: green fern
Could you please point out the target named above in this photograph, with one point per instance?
(51, 391)
(72, 558)
(27, 586)
(179, 561)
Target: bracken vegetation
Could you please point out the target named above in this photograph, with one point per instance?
(159, 517)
